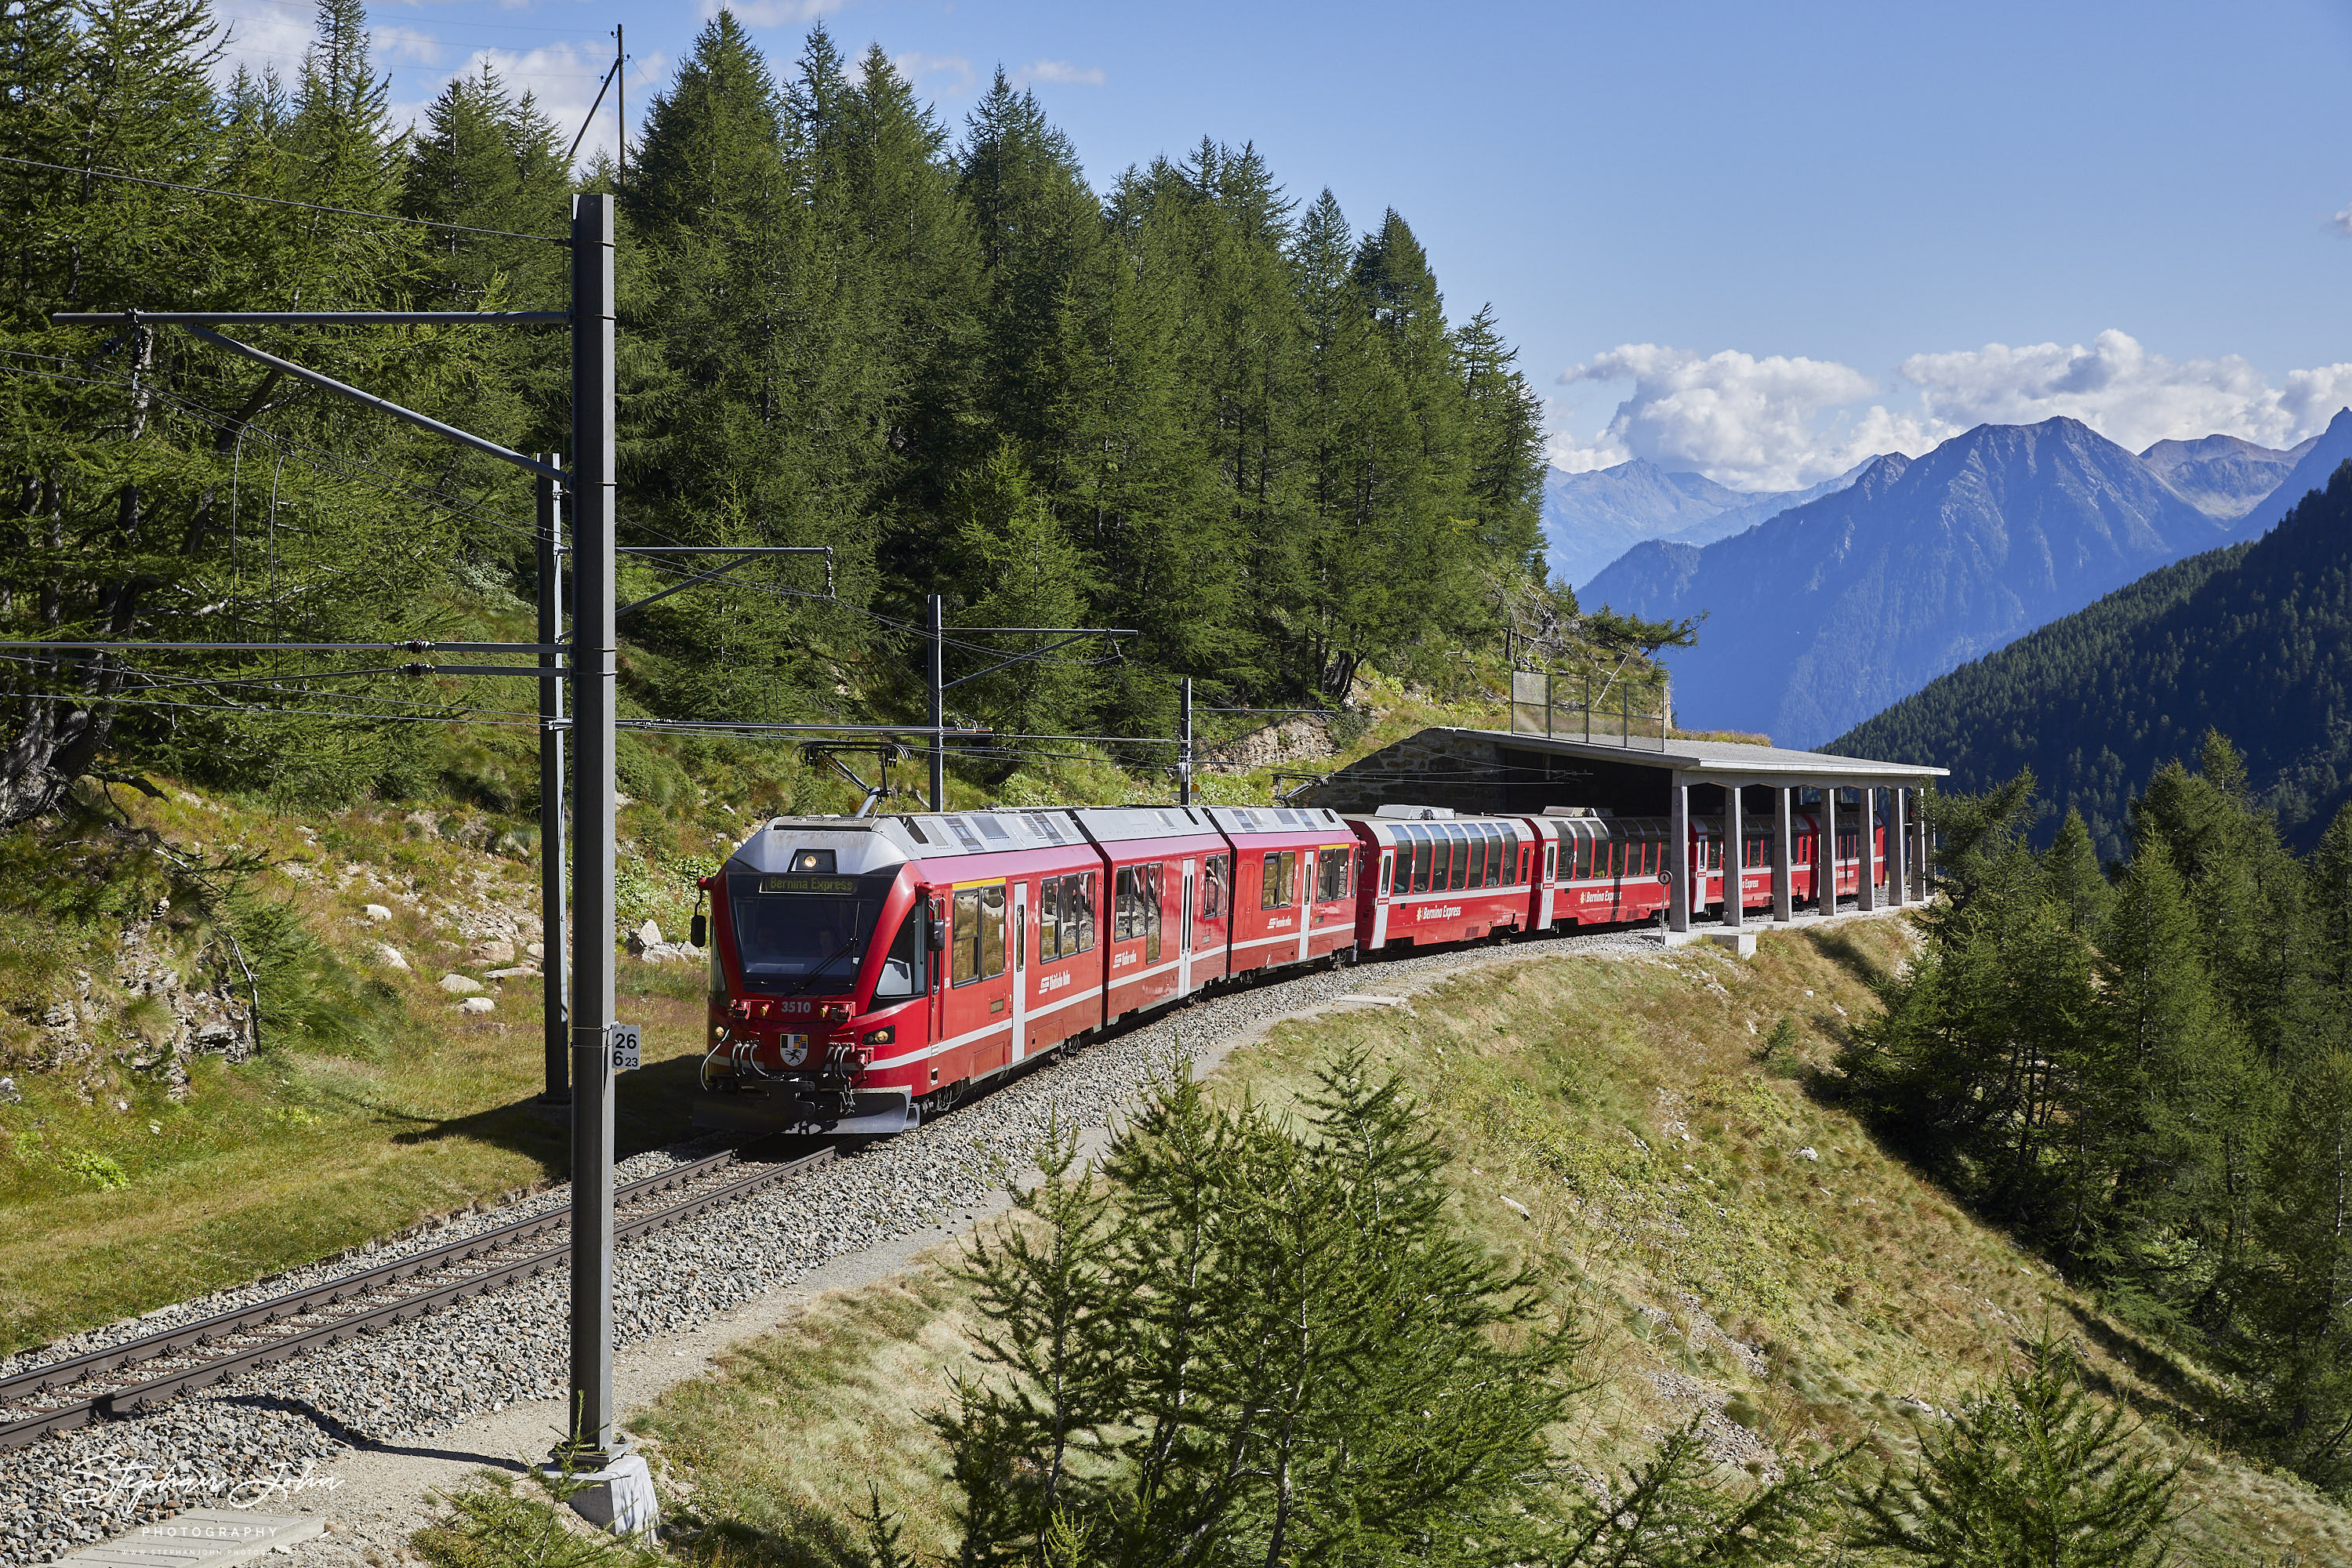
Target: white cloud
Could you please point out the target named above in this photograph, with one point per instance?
(1753, 424)
(1058, 71)
(942, 75)
(267, 38)
(403, 47)
(1780, 423)
(2342, 221)
(563, 78)
(2123, 392)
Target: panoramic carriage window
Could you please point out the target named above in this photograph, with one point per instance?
(1401, 868)
(1582, 870)
(1424, 851)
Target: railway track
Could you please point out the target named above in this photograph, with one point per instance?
(122, 1379)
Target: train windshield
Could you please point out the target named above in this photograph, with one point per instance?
(797, 933)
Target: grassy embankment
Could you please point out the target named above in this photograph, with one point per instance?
(374, 1102)
(1616, 1125)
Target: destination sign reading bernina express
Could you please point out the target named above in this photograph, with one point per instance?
(808, 885)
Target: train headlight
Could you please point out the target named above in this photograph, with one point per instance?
(883, 1037)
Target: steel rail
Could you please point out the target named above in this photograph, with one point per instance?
(115, 1402)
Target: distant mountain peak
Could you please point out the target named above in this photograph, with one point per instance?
(1830, 610)
(1593, 518)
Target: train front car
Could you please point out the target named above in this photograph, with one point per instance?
(821, 963)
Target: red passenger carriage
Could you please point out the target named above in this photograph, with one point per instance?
(1433, 877)
(1293, 884)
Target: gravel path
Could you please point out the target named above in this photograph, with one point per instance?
(489, 1353)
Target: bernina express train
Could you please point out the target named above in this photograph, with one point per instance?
(867, 970)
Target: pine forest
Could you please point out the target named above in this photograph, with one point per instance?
(1193, 405)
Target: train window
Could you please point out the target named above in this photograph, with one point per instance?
(1151, 913)
(1440, 864)
(1078, 913)
(1049, 919)
(964, 939)
(1551, 861)
(1477, 857)
(1490, 868)
(1581, 867)
(1396, 865)
(1212, 888)
(1126, 904)
(992, 932)
(902, 967)
(1330, 875)
(1422, 852)
(1277, 880)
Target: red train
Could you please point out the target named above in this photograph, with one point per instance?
(866, 970)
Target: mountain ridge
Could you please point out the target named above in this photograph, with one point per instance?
(2253, 639)
(1829, 611)
(1593, 517)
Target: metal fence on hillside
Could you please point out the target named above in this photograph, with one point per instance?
(1567, 707)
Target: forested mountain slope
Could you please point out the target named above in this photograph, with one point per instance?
(2255, 640)
(1824, 615)
(1193, 404)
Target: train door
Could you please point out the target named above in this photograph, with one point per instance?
(1184, 937)
(1384, 871)
(1303, 890)
(1547, 889)
(1020, 937)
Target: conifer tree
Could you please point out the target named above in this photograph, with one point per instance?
(2071, 871)
(2303, 1301)
(2036, 1473)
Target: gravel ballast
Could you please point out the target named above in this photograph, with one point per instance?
(260, 1432)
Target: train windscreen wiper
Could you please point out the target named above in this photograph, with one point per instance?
(805, 980)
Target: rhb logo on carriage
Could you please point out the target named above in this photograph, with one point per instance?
(1052, 983)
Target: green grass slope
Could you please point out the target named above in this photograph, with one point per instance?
(1747, 1253)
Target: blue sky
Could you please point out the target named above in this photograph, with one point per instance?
(1762, 241)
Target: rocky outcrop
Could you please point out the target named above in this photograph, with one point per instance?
(161, 1011)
